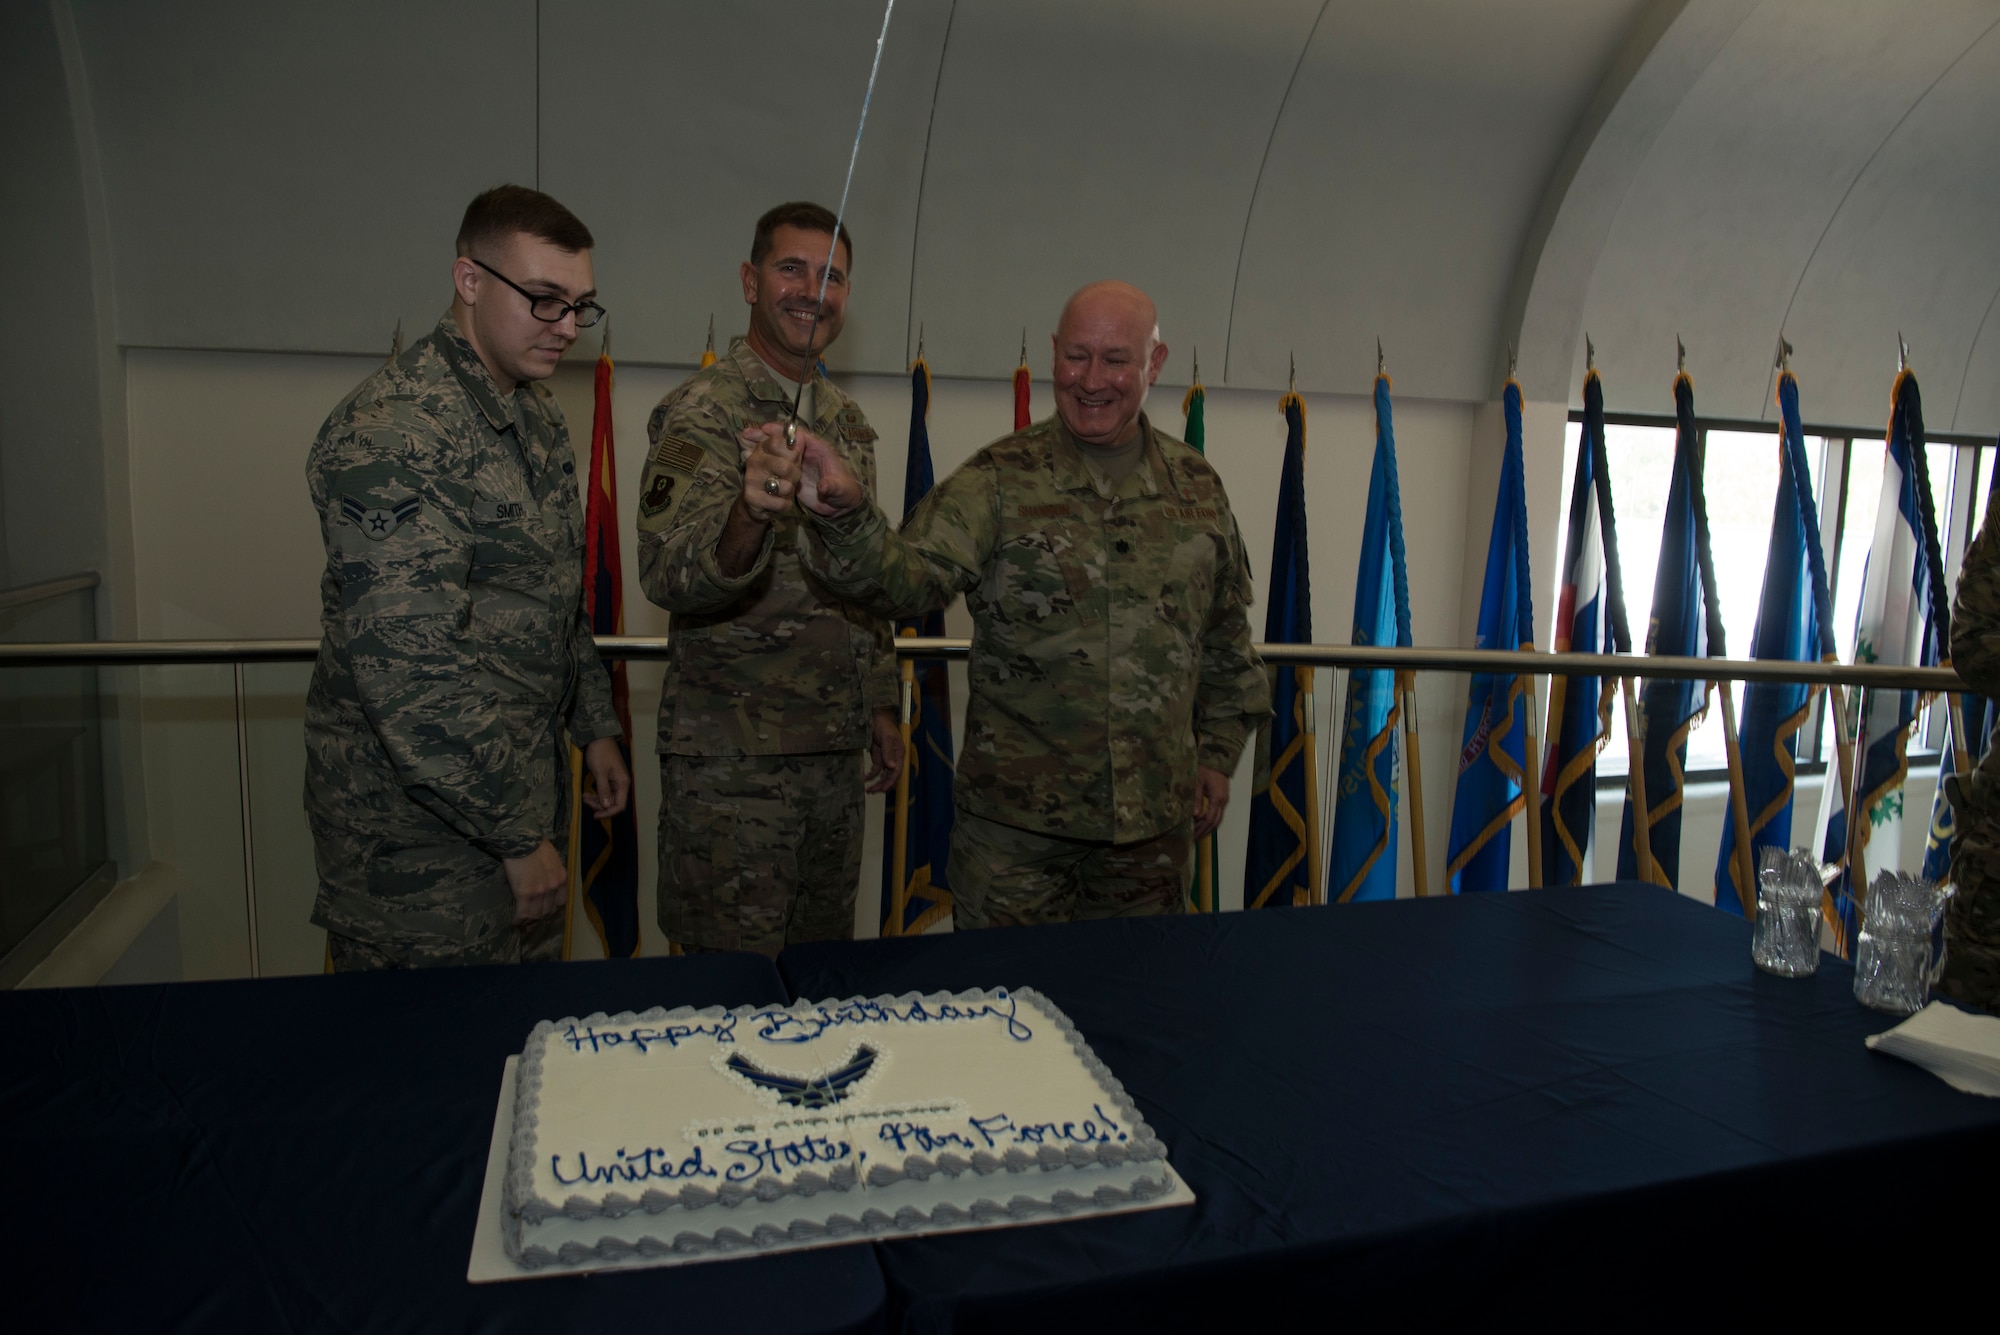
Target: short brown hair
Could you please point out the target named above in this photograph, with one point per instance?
(798, 213)
(507, 209)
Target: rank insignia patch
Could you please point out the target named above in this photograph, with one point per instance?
(379, 523)
(679, 455)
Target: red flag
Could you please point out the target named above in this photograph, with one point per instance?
(608, 852)
(1021, 418)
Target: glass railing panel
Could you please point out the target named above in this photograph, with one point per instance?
(52, 832)
(194, 810)
(274, 697)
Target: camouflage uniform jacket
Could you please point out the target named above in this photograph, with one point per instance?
(1111, 644)
(772, 662)
(456, 646)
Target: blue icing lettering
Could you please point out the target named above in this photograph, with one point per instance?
(643, 1036)
(766, 1155)
(1000, 1130)
(645, 1166)
(906, 1135)
(793, 1027)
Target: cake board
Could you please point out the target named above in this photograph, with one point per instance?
(489, 1262)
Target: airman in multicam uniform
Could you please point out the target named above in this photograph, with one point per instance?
(1113, 679)
(457, 664)
(1972, 918)
(774, 684)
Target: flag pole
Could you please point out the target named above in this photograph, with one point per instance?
(1406, 688)
(1532, 753)
(575, 858)
(1635, 783)
(900, 856)
(1310, 755)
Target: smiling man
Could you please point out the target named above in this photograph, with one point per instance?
(456, 664)
(1113, 679)
(775, 686)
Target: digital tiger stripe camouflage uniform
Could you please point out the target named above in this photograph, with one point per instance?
(456, 665)
(1972, 918)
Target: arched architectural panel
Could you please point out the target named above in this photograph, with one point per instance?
(1400, 185)
(1077, 142)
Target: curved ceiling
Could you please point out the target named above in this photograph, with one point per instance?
(1289, 178)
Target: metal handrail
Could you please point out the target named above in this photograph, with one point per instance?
(1878, 676)
(27, 595)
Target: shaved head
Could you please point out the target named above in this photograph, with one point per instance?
(1107, 355)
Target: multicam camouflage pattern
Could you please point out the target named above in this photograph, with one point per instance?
(456, 664)
(1006, 877)
(770, 663)
(1972, 918)
(1111, 644)
(759, 852)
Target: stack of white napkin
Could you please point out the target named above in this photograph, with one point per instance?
(1959, 1048)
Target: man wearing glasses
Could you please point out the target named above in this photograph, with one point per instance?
(774, 686)
(457, 665)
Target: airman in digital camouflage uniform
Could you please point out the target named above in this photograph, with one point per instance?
(457, 664)
(1113, 679)
(774, 685)
(1972, 918)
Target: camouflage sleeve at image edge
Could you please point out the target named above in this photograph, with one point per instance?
(1234, 698)
(882, 682)
(1975, 619)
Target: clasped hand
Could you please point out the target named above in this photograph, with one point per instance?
(776, 470)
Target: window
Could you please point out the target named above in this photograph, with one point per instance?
(1741, 477)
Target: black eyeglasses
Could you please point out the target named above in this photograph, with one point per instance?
(550, 310)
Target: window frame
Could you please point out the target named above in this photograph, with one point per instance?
(1969, 462)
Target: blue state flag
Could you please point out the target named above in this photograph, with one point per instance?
(925, 793)
(1284, 825)
(1668, 710)
(1901, 620)
(1590, 619)
(1363, 861)
(1792, 626)
(1493, 752)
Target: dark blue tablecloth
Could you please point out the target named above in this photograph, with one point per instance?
(306, 1154)
(1566, 1105)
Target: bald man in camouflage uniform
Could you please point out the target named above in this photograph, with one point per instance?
(1972, 918)
(457, 663)
(774, 685)
(1113, 679)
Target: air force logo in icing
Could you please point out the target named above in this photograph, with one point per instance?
(818, 1091)
(380, 523)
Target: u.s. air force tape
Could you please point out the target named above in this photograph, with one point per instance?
(678, 455)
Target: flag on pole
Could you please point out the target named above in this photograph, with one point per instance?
(1790, 628)
(1901, 620)
(1363, 863)
(1492, 755)
(1284, 812)
(1021, 383)
(1589, 620)
(924, 792)
(708, 353)
(607, 850)
(1670, 709)
(1207, 877)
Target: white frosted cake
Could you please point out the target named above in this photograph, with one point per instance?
(695, 1132)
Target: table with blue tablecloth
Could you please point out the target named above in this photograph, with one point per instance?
(1559, 1105)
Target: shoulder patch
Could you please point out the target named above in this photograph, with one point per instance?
(659, 494)
(380, 522)
(682, 456)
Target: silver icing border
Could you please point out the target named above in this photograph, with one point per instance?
(523, 1206)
